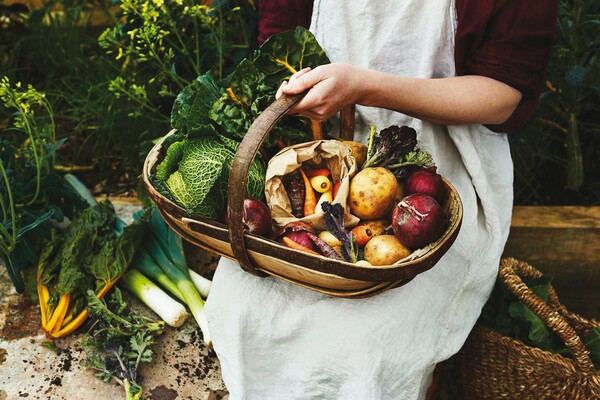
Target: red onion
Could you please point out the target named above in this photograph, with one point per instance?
(257, 217)
(426, 181)
(418, 220)
(299, 232)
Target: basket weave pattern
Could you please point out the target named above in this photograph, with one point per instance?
(494, 366)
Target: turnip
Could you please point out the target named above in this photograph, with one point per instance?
(372, 193)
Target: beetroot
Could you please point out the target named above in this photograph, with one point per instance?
(426, 181)
(418, 220)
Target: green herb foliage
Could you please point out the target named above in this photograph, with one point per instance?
(119, 340)
(32, 194)
(507, 315)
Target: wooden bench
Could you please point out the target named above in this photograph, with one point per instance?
(564, 242)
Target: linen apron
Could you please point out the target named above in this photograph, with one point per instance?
(279, 341)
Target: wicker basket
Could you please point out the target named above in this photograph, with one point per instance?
(493, 366)
(261, 256)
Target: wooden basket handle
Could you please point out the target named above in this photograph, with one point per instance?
(244, 157)
(511, 271)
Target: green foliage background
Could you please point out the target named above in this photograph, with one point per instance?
(112, 78)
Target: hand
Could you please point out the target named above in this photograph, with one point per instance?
(332, 87)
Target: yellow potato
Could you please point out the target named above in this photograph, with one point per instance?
(358, 151)
(372, 193)
(385, 250)
(377, 226)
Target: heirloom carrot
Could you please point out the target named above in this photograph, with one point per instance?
(317, 172)
(293, 245)
(310, 200)
(362, 234)
(336, 187)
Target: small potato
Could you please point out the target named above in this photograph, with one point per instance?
(373, 193)
(377, 226)
(358, 151)
(385, 250)
(364, 263)
(328, 238)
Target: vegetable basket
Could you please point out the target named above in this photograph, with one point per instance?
(264, 257)
(494, 366)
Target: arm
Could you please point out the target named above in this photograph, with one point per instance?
(448, 101)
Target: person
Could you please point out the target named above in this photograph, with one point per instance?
(463, 73)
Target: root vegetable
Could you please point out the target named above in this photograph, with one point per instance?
(426, 181)
(385, 250)
(372, 193)
(377, 226)
(418, 220)
(358, 151)
(320, 183)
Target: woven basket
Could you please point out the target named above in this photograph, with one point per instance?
(262, 257)
(493, 366)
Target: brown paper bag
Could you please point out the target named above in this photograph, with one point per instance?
(331, 154)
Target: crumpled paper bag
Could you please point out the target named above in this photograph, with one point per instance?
(331, 154)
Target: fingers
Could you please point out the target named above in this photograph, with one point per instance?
(302, 81)
(282, 89)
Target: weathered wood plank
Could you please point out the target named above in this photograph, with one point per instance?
(564, 242)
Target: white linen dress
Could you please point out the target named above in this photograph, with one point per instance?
(279, 341)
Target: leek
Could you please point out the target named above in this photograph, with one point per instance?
(172, 312)
(180, 276)
(202, 284)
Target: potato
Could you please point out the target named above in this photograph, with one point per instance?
(385, 250)
(358, 151)
(328, 238)
(377, 226)
(372, 193)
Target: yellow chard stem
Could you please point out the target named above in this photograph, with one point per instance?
(71, 326)
(59, 312)
(286, 65)
(77, 321)
(44, 296)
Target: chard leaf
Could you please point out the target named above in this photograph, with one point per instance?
(286, 52)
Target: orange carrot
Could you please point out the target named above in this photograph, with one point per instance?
(310, 200)
(336, 187)
(362, 234)
(293, 245)
(317, 172)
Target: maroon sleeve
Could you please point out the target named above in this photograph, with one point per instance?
(282, 15)
(510, 41)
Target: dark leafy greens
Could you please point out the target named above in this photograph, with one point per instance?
(395, 148)
(92, 253)
(334, 223)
